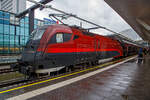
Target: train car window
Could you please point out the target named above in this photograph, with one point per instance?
(59, 38)
(67, 37)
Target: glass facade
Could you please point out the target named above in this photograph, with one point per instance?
(14, 32)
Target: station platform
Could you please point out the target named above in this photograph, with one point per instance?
(125, 81)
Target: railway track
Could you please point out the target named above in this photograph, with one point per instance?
(12, 82)
(6, 70)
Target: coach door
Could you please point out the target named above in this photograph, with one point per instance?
(98, 48)
(95, 46)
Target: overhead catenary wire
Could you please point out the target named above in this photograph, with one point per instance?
(72, 15)
(58, 20)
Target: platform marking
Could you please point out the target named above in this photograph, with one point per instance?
(61, 84)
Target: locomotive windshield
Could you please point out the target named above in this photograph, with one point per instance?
(37, 34)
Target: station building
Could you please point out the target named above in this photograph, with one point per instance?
(14, 6)
(14, 32)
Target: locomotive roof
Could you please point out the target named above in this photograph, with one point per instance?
(55, 25)
(84, 31)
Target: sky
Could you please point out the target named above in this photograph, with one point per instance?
(96, 11)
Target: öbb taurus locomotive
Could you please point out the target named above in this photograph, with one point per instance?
(60, 46)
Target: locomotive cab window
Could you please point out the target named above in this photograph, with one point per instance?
(37, 34)
(60, 38)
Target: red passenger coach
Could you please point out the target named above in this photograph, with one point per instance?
(61, 46)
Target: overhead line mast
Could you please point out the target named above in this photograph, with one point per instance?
(30, 11)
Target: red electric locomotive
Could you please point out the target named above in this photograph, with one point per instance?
(60, 46)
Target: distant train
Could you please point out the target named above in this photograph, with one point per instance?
(129, 46)
(60, 46)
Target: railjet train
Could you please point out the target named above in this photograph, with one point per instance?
(60, 46)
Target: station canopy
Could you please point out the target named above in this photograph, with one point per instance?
(136, 13)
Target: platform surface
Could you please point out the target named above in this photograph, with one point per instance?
(128, 81)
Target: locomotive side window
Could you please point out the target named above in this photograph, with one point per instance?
(67, 37)
(59, 38)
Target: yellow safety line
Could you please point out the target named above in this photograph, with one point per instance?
(59, 77)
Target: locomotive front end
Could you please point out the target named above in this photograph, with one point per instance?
(45, 50)
(30, 55)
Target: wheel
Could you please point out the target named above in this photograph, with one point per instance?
(69, 68)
